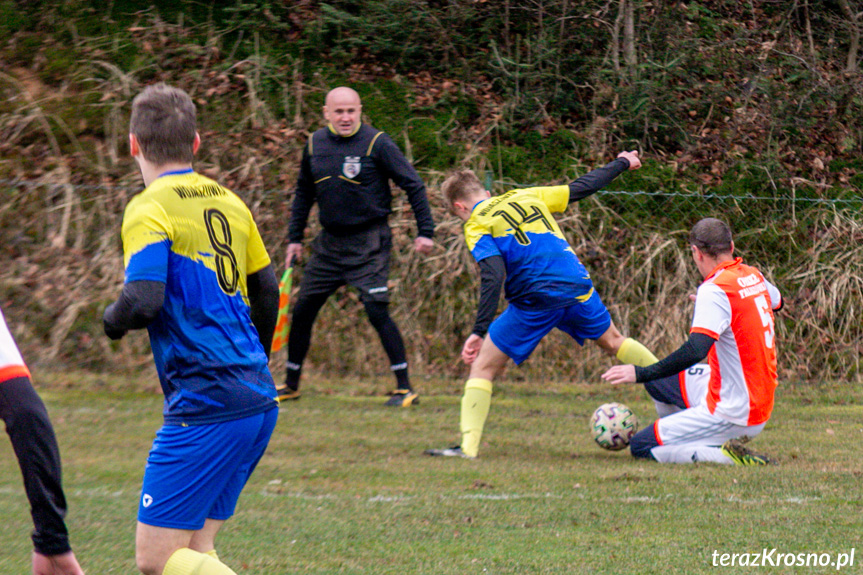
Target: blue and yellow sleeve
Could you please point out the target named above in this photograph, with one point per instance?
(146, 241)
(257, 257)
(479, 241)
(555, 197)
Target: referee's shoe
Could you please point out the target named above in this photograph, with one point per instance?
(284, 393)
(403, 398)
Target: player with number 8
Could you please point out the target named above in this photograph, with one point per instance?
(199, 278)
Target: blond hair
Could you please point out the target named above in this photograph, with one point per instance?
(460, 185)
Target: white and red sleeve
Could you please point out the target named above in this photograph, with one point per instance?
(11, 363)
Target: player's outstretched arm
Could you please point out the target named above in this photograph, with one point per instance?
(691, 352)
(632, 158)
(593, 181)
(620, 374)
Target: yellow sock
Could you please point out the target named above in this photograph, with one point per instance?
(212, 553)
(187, 562)
(633, 352)
(474, 411)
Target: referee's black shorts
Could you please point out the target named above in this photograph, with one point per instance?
(361, 260)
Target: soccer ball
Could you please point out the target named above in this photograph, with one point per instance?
(613, 425)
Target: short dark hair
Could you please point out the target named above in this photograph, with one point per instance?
(460, 185)
(711, 236)
(164, 122)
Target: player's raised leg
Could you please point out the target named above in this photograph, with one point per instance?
(625, 349)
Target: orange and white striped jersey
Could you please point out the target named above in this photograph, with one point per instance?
(11, 363)
(735, 306)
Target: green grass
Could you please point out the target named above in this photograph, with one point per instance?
(344, 487)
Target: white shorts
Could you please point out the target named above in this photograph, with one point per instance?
(693, 384)
(697, 426)
(682, 391)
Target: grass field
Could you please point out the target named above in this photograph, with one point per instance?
(344, 487)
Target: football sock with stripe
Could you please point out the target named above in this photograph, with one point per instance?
(303, 317)
(391, 339)
(474, 411)
(188, 562)
(292, 376)
(633, 352)
(401, 372)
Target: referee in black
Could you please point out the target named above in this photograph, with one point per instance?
(346, 168)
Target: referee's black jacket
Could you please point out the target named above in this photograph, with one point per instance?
(349, 177)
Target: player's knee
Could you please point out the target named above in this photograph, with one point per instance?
(642, 443)
(148, 564)
(611, 340)
(490, 361)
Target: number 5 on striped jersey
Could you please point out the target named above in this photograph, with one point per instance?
(766, 319)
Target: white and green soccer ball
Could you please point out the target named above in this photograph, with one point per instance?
(613, 425)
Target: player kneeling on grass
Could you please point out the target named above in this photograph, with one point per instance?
(514, 236)
(199, 278)
(706, 409)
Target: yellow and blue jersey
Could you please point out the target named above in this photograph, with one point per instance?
(542, 270)
(200, 239)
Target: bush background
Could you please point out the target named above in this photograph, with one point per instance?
(748, 111)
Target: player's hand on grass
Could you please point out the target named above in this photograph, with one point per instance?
(634, 160)
(620, 374)
(423, 245)
(63, 564)
(294, 252)
(471, 348)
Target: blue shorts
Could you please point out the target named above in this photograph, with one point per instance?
(197, 472)
(517, 331)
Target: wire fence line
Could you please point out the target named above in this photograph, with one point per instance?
(795, 199)
(134, 188)
(633, 241)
